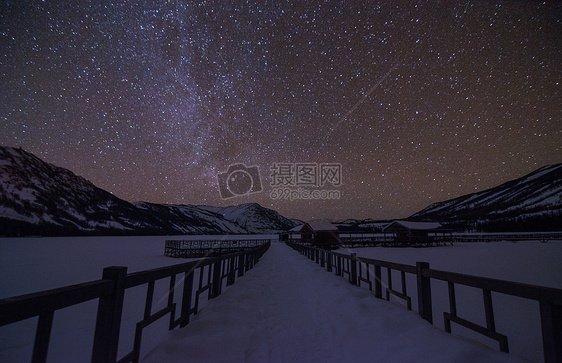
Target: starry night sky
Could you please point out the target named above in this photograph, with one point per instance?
(419, 103)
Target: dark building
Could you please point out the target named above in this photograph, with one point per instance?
(320, 233)
(414, 233)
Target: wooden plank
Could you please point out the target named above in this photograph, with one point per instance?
(401, 296)
(500, 338)
(452, 299)
(378, 282)
(22, 307)
(389, 282)
(353, 269)
(551, 326)
(42, 337)
(533, 292)
(403, 280)
(148, 301)
(186, 298)
(108, 321)
(424, 293)
(489, 310)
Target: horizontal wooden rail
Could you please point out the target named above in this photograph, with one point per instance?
(110, 291)
(146, 276)
(387, 264)
(14, 309)
(527, 291)
(549, 299)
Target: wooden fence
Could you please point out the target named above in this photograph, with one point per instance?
(506, 237)
(358, 270)
(205, 248)
(110, 291)
(352, 240)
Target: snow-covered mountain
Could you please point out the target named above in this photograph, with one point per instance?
(40, 198)
(188, 219)
(37, 198)
(253, 217)
(532, 200)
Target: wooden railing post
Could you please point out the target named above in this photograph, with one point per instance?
(328, 262)
(186, 298)
(424, 292)
(241, 265)
(247, 262)
(353, 269)
(339, 270)
(216, 285)
(378, 284)
(231, 272)
(42, 337)
(108, 322)
(551, 325)
(252, 260)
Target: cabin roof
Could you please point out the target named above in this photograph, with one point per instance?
(297, 228)
(322, 225)
(316, 226)
(415, 226)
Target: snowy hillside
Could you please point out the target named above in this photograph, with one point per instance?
(535, 199)
(37, 198)
(254, 218)
(189, 219)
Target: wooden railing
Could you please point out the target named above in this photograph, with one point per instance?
(506, 237)
(215, 247)
(110, 291)
(435, 239)
(359, 269)
(380, 239)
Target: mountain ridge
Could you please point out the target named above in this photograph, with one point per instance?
(535, 198)
(38, 198)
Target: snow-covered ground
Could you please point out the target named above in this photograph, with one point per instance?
(33, 264)
(529, 262)
(287, 309)
(291, 301)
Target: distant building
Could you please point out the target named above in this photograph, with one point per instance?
(320, 233)
(302, 232)
(415, 233)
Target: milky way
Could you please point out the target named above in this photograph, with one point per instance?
(150, 100)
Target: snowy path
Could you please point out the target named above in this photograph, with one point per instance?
(288, 309)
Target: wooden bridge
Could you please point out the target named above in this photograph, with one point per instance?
(213, 274)
(210, 275)
(360, 270)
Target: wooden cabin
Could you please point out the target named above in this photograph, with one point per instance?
(302, 233)
(320, 233)
(406, 233)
